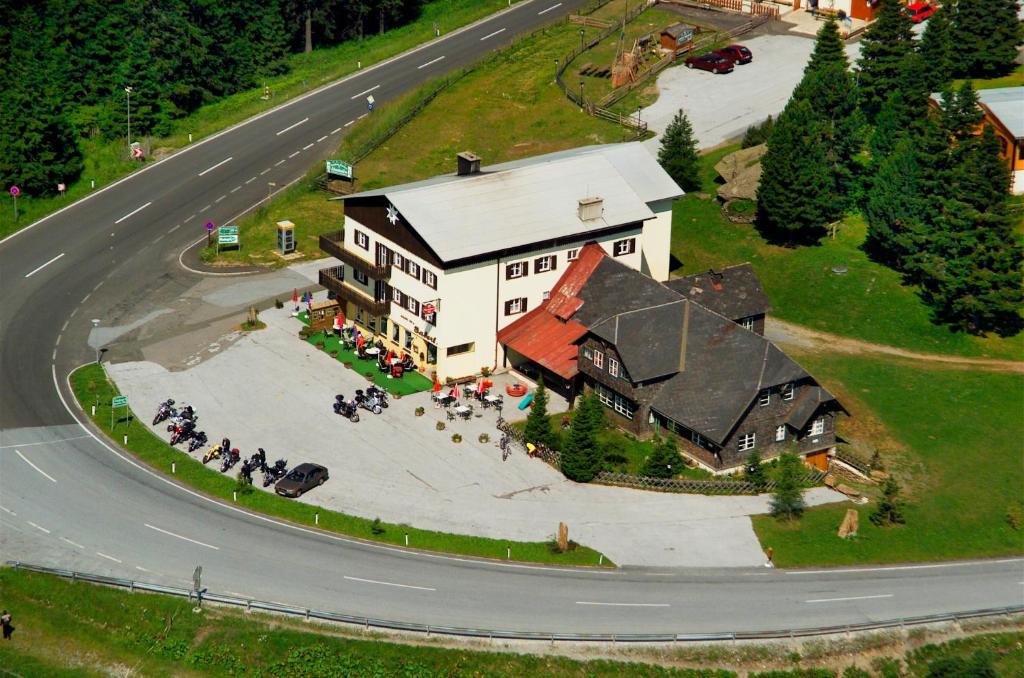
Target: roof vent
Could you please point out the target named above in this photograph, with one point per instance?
(591, 208)
(469, 163)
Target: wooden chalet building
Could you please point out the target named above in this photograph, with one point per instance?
(662, 362)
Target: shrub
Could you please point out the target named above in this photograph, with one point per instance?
(456, 437)
(439, 426)
(758, 134)
(376, 527)
(278, 303)
(484, 438)
(538, 426)
(755, 472)
(664, 461)
(890, 508)
(1014, 516)
(485, 371)
(419, 411)
(788, 498)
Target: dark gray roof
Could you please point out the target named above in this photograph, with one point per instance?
(806, 405)
(726, 367)
(615, 288)
(734, 292)
(647, 354)
(675, 30)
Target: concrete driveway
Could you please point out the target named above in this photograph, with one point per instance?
(722, 107)
(269, 389)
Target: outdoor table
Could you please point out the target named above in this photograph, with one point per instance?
(444, 399)
(463, 411)
(492, 399)
(372, 351)
(395, 361)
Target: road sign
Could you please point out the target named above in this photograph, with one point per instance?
(15, 191)
(119, 401)
(228, 230)
(227, 235)
(339, 168)
(209, 225)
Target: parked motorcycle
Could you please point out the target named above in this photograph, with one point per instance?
(258, 460)
(366, 402)
(230, 459)
(346, 408)
(214, 452)
(380, 394)
(198, 440)
(274, 473)
(182, 432)
(163, 411)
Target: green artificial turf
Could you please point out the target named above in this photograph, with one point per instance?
(411, 382)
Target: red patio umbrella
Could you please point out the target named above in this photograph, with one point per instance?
(295, 296)
(437, 385)
(480, 388)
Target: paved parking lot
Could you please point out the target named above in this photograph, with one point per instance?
(269, 389)
(722, 107)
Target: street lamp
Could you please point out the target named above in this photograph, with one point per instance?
(270, 189)
(581, 94)
(95, 325)
(638, 109)
(128, 91)
(581, 40)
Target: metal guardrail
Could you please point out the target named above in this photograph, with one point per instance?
(428, 629)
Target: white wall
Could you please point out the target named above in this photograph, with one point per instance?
(657, 241)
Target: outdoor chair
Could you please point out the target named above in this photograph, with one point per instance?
(450, 414)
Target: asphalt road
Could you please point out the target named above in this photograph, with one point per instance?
(69, 500)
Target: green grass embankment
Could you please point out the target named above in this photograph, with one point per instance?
(92, 387)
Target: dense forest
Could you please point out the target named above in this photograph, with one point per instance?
(67, 63)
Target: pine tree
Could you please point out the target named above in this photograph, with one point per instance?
(828, 48)
(961, 115)
(758, 134)
(896, 210)
(890, 507)
(664, 461)
(787, 502)
(795, 198)
(884, 49)
(678, 153)
(538, 426)
(581, 453)
(986, 34)
(754, 471)
(936, 51)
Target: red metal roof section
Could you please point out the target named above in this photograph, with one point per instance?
(545, 340)
(564, 302)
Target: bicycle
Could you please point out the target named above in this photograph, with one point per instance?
(505, 446)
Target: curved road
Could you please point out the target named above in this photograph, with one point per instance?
(69, 500)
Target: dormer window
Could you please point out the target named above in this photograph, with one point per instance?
(764, 399)
(787, 392)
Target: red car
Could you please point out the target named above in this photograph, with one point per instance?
(919, 11)
(716, 63)
(738, 53)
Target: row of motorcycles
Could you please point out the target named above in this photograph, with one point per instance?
(182, 427)
(374, 399)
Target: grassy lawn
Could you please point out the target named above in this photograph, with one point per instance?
(105, 161)
(91, 385)
(868, 302)
(66, 628)
(1014, 79)
(955, 447)
(411, 382)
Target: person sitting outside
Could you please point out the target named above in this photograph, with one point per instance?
(407, 363)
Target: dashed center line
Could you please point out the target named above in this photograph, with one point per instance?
(321, 138)
(836, 600)
(219, 199)
(545, 11)
(251, 179)
(174, 229)
(335, 131)
(291, 127)
(362, 116)
(491, 35)
(294, 154)
(236, 188)
(350, 122)
(205, 208)
(178, 536)
(104, 555)
(7, 511)
(279, 162)
(264, 171)
(210, 169)
(430, 63)
(587, 602)
(38, 527)
(73, 543)
(133, 212)
(307, 147)
(387, 583)
(41, 471)
(375, 87)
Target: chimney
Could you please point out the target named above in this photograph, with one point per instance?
(590, 208)
(469, 163)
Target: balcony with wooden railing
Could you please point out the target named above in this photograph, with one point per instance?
(333, 244)
(333, 278)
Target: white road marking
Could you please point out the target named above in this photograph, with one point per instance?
(659, 574)
(375, 87)
(291, 127)
(294, 154)
(219, 199)
(252, 179)
(362, 116)
(335, 131)
(73, 543)
(210, 169)
(350, 122)
(57, 343)
(36, 270)
(586, 602)
(12, 513)
(209, 546)
(491, 35)
(321, 139)
(38, 527)
(174, 229)
(545, 11)
(387, 583)
(279, 162)
(190, 217)
(430, 63)
(307, 147)
(134, 211)
(142, 569)
(41, 471)
(86, 298)
(264, 171)
(53, 356)
(104, 555)
(205, 208)
(236, 188)
(854, 570)
(836, 600)
(62, 328)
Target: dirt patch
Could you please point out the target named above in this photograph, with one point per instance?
(789, 334)
(717, 19)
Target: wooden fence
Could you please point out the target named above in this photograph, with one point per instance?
(689, 486)
(764, 9)
(589, 21)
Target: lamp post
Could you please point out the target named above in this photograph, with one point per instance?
(270, 189)
(128, 91)
(95, 325)
(638, 109)
(581, 40)
(581, 94)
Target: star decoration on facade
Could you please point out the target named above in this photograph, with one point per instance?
(392, 215)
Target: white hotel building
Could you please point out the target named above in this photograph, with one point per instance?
(436, 268)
